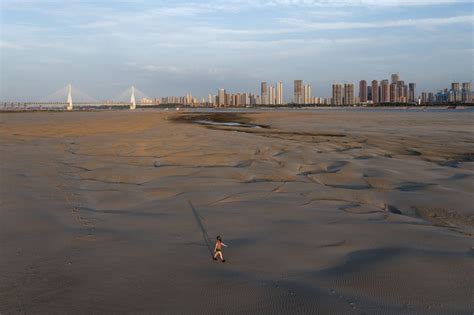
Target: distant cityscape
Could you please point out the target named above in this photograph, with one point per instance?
(385, 92)
(393, 92)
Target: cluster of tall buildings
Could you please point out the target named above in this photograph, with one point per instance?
(393, 91)
(183, 100)
(302, 94)
(224, 99)
(396, 91)
(271, 95)
(457, 94)
(343, 94)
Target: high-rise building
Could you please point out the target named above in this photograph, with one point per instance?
(466, 92)
(394, 92)
(431, 97)
(375, 92)
(411, 92)
(451, 96)
(271, 95)
(221, 98)
(349, 94)
(298, 97)
(456, 88)
(424, 98)
(279, 93)
(253, 99)
(210, 99)
(384, 91)
(401, 91)
(264, 93)
(395, 78)
(337, 94)
(404, 97)
(307, 94)
(245, 99)
(363, 91)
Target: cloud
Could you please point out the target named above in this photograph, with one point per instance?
(352, 3)
(316, 26)
(154, 67)
(186, 40)
(9, 45)
(297, 44)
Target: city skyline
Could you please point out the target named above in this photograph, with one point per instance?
(180, 47)
(394, 91)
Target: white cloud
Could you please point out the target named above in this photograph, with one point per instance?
(316, 26)
(154, 68)
(340, 3)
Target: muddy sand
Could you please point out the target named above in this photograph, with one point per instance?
(332, 212)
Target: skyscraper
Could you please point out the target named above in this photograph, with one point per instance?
(221, 98)
(430, 97)
(279, 93)
(271, 95)
(456, 88)
(363, 91)
(210, 99)
(424, 98)
(307, 94)
(336, 94)
(298, 97)
(349, 94)
(405, 93)
(394, 92)
(466, 92)
(264, 93)
(375, 91)
(411, 92)
(385, 91)
(395, 78)
(402, 92)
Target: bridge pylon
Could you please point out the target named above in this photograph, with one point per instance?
(133, 104)
(69, 98)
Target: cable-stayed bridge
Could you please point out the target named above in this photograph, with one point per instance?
(69, 97)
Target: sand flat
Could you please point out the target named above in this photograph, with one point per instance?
(325, 212)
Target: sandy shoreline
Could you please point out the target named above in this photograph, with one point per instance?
(343, 212)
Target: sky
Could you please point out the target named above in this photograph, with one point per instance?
(165, 47)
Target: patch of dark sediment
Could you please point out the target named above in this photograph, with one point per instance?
(217, 119)
(392, 209)
(232, 122)
(136, 213)
(350, 186)
(446, 218)
(457, 160)
(413, 186)
(322, 168)
(413, 152)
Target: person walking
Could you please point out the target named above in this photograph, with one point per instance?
(218, 249)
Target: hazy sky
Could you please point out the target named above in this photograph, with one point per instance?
(175, 47)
